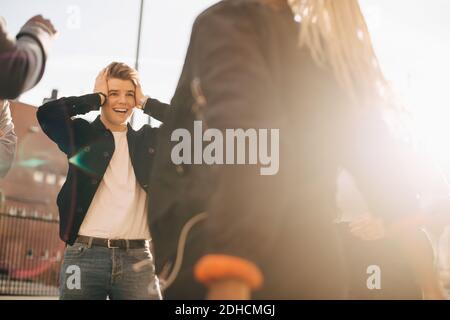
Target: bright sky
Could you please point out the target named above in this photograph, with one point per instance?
(411, 38)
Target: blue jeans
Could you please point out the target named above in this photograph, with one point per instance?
(97, 273)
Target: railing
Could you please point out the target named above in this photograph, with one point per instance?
(30, 255)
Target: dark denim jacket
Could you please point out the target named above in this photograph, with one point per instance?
(89, 148)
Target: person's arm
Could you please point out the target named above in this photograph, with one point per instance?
(382, 165)
(384, 171)
(22, 61)
(236, 84)
(55, 118)
(152, 107)
(156, 109)
(8, 139)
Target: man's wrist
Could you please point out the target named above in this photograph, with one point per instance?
(143, 102)
(102, 98)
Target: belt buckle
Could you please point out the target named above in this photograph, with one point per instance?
(109, 245)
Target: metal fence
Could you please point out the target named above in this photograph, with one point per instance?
(30, 255)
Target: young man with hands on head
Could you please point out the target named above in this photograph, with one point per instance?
(103, 203)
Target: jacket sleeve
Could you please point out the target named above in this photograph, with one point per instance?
(156, 109)
(236, 85)
(22, 61)
(55, 118)
(384, 167)
(8, 139)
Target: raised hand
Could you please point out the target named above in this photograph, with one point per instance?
(140, 97)
(43, 23)
(101, 85)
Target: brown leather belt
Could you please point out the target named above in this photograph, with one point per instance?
(113, 243)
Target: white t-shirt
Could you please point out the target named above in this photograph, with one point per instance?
(119, 207)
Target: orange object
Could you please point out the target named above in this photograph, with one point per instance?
(215, 267)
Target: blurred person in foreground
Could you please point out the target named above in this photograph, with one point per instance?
(308, 69)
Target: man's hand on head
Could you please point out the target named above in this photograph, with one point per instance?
(141, 99)
(101, 85)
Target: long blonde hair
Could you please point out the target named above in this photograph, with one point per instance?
(336, 34)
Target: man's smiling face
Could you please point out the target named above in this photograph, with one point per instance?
(120, 103)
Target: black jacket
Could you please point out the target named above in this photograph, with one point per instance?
(253, 74)
(89, 148)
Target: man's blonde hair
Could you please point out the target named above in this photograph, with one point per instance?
(119, 70)
(336, 34)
